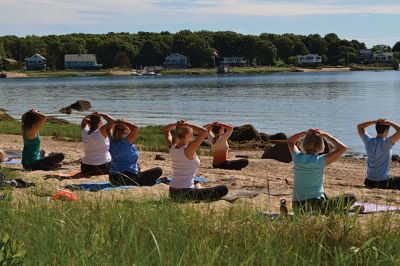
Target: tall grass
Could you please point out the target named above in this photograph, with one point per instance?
(167, 233)
(150, 138)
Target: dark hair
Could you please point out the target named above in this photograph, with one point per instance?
(215, 129)
(94, 121)
(381, 128)
(28, 120)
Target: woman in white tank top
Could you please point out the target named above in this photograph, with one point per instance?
(185, 163)
(96, 159)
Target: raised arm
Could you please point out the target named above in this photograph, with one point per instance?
(228, 127)
(294, 139)
(134, 130)
(396, 136)
(190, 151)
(361, 127)
(168, 135)
(105, 130)
(106, 117)
(340, 147)
(42, 118)
(85, 122)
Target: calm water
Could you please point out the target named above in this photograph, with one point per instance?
(288, 103)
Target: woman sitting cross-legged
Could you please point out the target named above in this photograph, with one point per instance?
(185, 163)
(32, 157)
(309, 168)
(97, 158)
(218, 135)
(124, 168)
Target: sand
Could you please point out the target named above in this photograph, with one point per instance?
(272, 179)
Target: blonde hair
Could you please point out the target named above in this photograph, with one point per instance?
(119, 132)
(313, 144)
(180, 134)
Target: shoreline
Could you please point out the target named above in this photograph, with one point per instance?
(188, 72)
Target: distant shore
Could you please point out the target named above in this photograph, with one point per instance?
(189, 71)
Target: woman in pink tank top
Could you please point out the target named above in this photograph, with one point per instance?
(185, 163)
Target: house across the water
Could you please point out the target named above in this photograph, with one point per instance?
(176, 61)
(81, 61)
(309, 60)
(35, 62)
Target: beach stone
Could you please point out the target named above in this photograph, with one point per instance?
(55, 120)
(81, 105)
(279, 152)
(278, 136)
(66, 110)
(6, 117)
(264, 136)
(245, 133)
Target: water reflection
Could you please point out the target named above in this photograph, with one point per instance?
(278, 102)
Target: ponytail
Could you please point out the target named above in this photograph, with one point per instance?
(94, 121)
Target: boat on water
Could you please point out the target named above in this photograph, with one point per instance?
(3, 74)
(135, 73)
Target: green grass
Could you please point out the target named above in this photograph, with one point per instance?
(166, 233)
(150, 138)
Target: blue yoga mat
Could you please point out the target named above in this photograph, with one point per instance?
(12, 162)
(104, 186)
(197, 179)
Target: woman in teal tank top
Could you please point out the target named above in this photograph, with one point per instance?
(32, 157)
(309, 172)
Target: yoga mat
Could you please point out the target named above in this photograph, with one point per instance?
(197, 179)
(235, 194)
(372, 207)
(97, 186)
(13, 154)
(12, 162)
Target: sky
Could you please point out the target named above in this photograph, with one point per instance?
(373, 22)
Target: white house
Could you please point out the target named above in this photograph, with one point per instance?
(80, 61)
(35, 62)
(382, 57)
(176, 60)
(234, 61)
(309, 59)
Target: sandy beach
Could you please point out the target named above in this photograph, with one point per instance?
(272, 179)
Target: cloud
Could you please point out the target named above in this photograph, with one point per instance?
(36, 16)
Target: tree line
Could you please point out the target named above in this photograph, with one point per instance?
(201, 47)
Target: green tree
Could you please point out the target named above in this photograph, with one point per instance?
(381, 48)
(285, 47)
(299, 48)
(396, 47)
(2, 54)
(121, 59)
(266, 53)
(199, 52)
(316, 44)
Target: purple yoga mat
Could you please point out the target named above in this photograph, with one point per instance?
(372, 207)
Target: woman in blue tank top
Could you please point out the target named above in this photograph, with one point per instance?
(124, 168)
(309, 172)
